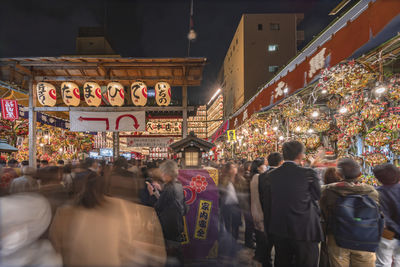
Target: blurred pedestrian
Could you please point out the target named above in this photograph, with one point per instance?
(97, 230)
(388, 253)
(171, 207)
(24, 218)
(25, 183)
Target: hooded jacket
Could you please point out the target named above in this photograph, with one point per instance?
(330, 194)
(23, 219)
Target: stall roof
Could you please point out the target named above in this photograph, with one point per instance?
(191, 140)
(175, 71)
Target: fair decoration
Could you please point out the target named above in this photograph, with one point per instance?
(46, 94)
(395, 146)
(163, 93)
(139, 93)
(312, 142)
(394, 87)
(293, 108)
(115, 94)
(378, 136)
(391, 122)
(321, 125)
(70, 94)
(92, 94)
(374, 158)
(372, 110)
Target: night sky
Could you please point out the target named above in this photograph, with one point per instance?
(144, 28)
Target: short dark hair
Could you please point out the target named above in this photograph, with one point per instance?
(60, 161)
(25, 163)
(292, 149)
(331, 176)
(88, 162)
(274, 159)
(121, 163)
(349, 168)
(45, 162)
(254, 166)
(90, 190)
(12, 162)
(387, 174)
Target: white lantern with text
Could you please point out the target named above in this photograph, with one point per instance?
(163, 93)
(92, 94)
(70, 94)
(139, 93)
(46, 94)
(115, 94)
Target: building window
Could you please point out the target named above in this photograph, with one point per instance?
(191, 158)
(272, 48)
(274, 26)
(260, 27)
(273, 69)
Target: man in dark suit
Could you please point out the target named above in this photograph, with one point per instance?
(289, 196)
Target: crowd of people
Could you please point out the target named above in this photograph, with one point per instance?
(301, 218)
(130, 213)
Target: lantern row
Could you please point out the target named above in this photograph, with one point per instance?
(47, 95)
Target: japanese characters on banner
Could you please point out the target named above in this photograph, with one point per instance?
(115, 94)
(9, 109)
(163, 93)
(149, 141)
(164, 126)
(46, 94)
(70, 94)
(107, 121)
(92, 94)
(201, 222)
(139, 94)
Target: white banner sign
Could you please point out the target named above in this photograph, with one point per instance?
(149, 141)
(133, 121)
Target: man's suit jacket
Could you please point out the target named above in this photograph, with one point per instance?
(289, 196)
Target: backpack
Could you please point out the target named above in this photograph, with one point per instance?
(357, 223)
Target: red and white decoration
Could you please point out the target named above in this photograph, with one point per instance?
(9, 109)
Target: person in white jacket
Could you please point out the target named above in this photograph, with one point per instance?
(263, 247)
(24, 217)
(257, 167)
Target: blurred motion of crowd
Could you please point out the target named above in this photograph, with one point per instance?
(281, 209)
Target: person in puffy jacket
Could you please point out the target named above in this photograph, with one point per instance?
(24, 218)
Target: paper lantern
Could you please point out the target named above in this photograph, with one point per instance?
(70, 94)
(46, 94)
(92, 94)
(115, 94)
(163, 93)
(139, 93)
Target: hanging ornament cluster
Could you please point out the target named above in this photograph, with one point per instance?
(293, 108)
(378, 136)
(345, 78)
(372, 110)
(312, 142)
(375, 158)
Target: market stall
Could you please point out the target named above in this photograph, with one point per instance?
(352, 110)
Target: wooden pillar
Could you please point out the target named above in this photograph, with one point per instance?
(32, 125)
(115, 145)
(184, 112)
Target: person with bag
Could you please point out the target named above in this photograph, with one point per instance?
(169, 203)
(388, 253)
(354, 222)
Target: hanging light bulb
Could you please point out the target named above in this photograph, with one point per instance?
(315, 114)
(324, 91)
(298, 129)
(281, 138)
(380, 90)
(286, 90)
(257, 130)
(275, 128)
(310, 130)
(343, 110)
